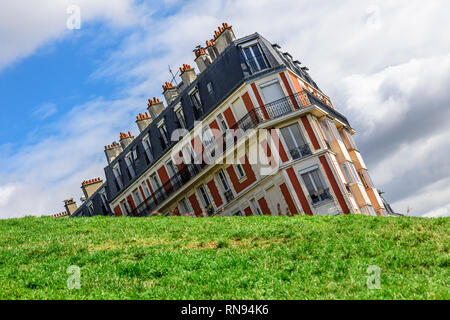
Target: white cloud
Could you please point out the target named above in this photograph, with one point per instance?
(45, 110)
(432, 200)
(5, 194)
(380, 61)
(26, 25)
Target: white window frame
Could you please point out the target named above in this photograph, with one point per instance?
(147, 147)
(202, 194)
(255, 206)
(249, 45)
(222, 123)
(163, 131)
(180, 115)
(118, 175)
(241, 175)
(129, 164)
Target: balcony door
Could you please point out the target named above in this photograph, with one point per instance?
(272, 91)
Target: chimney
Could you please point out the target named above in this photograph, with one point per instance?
(125, 139)
(70, 206)
(170, 92)
(211, 48)
(61, 214)
(155, 107)
(143, 121)
(202, 58)
(187, 74)
(89, 187)
(223, 37)
(112, 151)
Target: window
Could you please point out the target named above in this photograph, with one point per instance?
(224, 181)
(326, 130)
(148, 149)
(295, 142)
(237, 213)
(255, 207)
(118, 177)
(350, 172)
(315, 186)
(255, 58)
(188, 154)
(207, 137)
(205, 196)
(223, 125)
(125, 207)
(90, 207)
(348, 140)
(225, 186)
(156, 186)
(330, 130)
(137, 196)
(171, 168)
(347, 174)
(104, 201)
(365, 178)
(146, 191)
(240, 171)
(130, 169)
(155, 182)
(195, 97)
(180, 116)
(272, 92)
(135, 154)
(184, 206)
(210, 88)
(368, 210)
(164, 134)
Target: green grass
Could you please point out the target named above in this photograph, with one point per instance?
(225, 258)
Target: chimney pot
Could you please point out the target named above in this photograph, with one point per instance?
(155, 107)
(224, 37)
(188, 74)
(170, 92)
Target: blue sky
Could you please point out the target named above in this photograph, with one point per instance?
(67, 93)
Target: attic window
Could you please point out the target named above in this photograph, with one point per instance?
(210, 88)
(253, 55)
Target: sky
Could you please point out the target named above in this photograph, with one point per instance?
(66, 93)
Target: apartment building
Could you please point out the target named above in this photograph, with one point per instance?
(250, 133)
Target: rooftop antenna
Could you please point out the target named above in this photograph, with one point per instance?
(173, 76)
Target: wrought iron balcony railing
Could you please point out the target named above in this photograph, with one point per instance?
(229, 196)
(300, 152)
(251, 120)
(321, 196)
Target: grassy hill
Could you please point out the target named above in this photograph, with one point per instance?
(225, 258)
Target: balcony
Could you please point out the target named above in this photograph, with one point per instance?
(300, 152)
(251, 120)
(321, 196)
(229, 196)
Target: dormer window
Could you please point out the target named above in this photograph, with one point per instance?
(148, 149)
(164, 134)
(130, 168)
(118, 177)
(180, 115)
(195, 97)
(90, 207)
(253, 55)
(210, 88)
